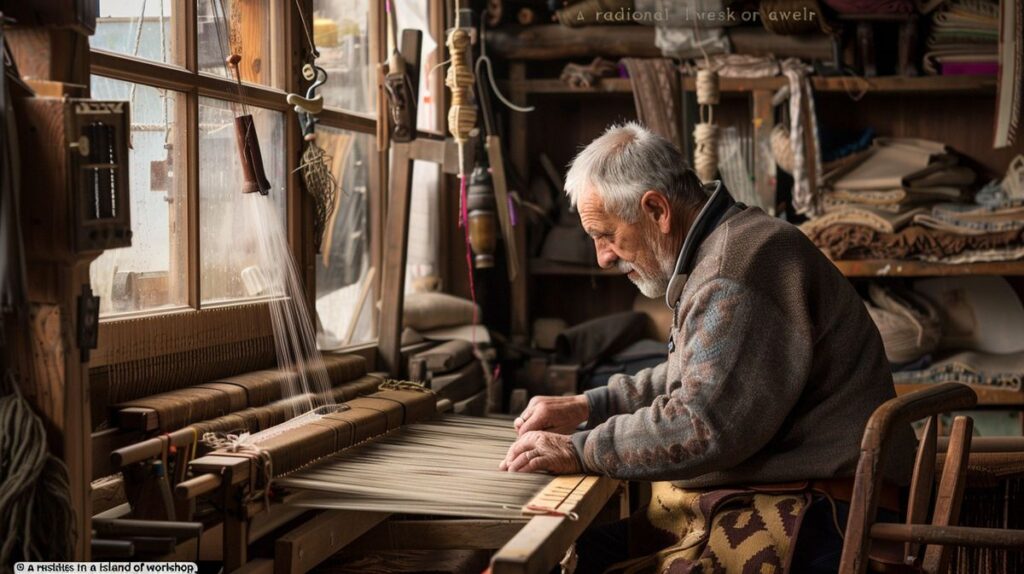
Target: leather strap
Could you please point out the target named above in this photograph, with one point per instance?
(836, 488)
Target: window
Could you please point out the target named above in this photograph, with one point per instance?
(151, 273)
(342, 267)
(228, 236)
(196, 240)
(341, 37)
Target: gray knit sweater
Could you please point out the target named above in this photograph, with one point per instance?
(774, 367)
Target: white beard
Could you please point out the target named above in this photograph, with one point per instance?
(652, 286)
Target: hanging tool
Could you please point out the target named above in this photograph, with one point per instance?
(248, 143)
(496, 158)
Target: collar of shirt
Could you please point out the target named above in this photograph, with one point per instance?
(710, 216)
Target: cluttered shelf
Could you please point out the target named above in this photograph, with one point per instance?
(544, 267)
(910, 268)
(880, 84)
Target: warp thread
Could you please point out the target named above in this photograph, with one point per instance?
(35, 500)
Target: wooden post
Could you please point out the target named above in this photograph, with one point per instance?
(396, 237)
(763, 119)
(519, 325)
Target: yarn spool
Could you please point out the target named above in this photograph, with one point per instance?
(705, 133)
(705, 153)
(462, 113)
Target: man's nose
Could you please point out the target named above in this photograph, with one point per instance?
(606, 258)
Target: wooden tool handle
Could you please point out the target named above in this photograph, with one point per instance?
(197, 486)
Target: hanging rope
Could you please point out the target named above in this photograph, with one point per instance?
(705, 133)
(35, 502)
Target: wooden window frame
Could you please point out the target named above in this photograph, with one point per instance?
(187, 79)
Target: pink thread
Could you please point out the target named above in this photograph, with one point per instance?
(464, 221)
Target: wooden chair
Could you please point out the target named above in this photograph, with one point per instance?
(881, 547)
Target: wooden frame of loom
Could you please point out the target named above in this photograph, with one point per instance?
(530, 545)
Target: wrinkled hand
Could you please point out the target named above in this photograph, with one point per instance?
(538, 451)
(553, 414)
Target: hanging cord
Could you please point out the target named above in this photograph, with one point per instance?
(305, 30)
(135, 48)
(485, 60)
(35, 501)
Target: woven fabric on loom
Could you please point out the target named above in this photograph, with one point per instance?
(178, 408)
(258, 419)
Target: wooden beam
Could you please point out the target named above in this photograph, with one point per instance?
(438, 535)
(397, 242)
(542, 543)
(968, 536)
(556, 42)
(310, 544)
(763, 119)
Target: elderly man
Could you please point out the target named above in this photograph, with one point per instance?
(773, 368)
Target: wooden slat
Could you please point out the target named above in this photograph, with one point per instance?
(922, 482)
(461, 534)
(880, 85)
(396, 239)
(897, 268)
(763, 119)
(951, 491)
(950, 535)
(310, 544)
(542, 543)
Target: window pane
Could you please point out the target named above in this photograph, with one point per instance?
(151, 273)
(342, 264)
(227, 229)
(252, 29)
(342, 39)
(147, 29)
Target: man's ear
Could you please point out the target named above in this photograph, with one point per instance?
(657, 209)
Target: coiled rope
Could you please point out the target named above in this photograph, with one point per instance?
(35, 500)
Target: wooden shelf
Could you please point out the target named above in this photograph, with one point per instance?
(880, 85)
(897, 268)
(545, 267)
(987, 396)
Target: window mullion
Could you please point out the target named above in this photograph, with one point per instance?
(194, 249)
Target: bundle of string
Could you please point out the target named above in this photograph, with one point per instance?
(461, 121)
(705, 133)
(35, 500)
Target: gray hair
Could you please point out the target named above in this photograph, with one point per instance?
(628, 160)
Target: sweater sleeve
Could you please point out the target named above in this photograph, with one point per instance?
(625, 393)
(743, 365)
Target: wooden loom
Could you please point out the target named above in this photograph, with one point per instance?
(234, 483)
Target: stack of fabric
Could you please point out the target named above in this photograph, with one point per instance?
(904, 200)
(965, 330)
(964, 39)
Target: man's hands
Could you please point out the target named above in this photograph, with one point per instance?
(537, 451)
(553, 414)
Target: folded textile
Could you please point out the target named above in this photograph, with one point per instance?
(978, 256)
(877, 220)
(971, 219)
(426, 311)
(897, 163)
(461, 384)
(979, 313)
(845, 241)
(447, 356)
(676, 23)
(1004, 371)
(589, 342)
(909, 323)
(897, 197)
(656, 92)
